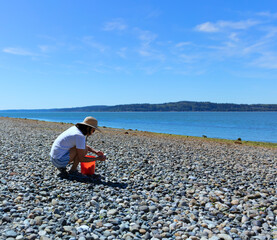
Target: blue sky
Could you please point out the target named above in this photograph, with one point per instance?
(81, 53)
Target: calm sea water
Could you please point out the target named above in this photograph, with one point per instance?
(250, 126)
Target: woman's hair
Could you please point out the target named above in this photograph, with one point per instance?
(84, 128)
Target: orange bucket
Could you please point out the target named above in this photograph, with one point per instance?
(88, 168)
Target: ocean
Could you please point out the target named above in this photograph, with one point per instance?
(249, 126)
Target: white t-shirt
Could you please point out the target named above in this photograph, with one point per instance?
(70, 138)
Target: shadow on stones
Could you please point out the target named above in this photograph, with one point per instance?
(94, 182)
(108, 183)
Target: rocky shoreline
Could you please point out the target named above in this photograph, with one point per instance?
(151, 188)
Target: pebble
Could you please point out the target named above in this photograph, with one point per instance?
(68, 228)
(134, 227)
(144, 208)
(152, 188)
(224, 236)
(10, 233)
(112, 212)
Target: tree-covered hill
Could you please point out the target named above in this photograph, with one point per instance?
(183, 106)
(175, 106)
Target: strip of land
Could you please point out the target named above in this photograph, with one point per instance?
(182, 106)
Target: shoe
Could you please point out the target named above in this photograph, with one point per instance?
(76, 174)
(62, 170)
(95, 176)
(63, 173)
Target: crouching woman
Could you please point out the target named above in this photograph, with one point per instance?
(70, 147)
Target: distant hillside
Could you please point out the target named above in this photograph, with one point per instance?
(182, 106)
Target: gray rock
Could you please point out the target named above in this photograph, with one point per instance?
(134, 227)
(106, 233)
(38, 220)
(224, 236)
(144, 208)
(68, 228)
(112, 212)
(10, 233)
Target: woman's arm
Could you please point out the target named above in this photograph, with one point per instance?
(98, 153)
(81, 153)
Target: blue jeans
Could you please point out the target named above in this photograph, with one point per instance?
(61, 162)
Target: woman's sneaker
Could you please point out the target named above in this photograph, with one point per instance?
(63, 173)
(76, 174)
(95, 176)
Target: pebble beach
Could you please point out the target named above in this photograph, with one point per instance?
(152, 187)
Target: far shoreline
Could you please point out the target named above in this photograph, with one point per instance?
(238, 142)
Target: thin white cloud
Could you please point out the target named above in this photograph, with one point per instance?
(150, 70)
(144, 52)
(146, 49)
(223, 25)
(154, 14)
(49, 38)
(18, 51)
(182, 44)
(267, 14)
(257, 47)
(237, 25)
(101, 67)
(234, 37)
(116, 24)
(268, 60)
(122, 52)
(168, 68)
(186, 58)
(46, 48)
(271, 32)
(207, 27)
(94, 44)
(146, 36)
(43, 48)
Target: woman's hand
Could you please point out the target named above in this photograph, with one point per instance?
(99, 153)
(102, 158)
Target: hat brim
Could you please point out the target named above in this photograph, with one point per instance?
(96, 128)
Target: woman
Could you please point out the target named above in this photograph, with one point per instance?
(70, 147)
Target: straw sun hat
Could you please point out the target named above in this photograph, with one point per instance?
(91, 122)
